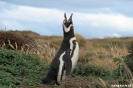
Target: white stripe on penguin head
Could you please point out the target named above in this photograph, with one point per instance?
(67, 29)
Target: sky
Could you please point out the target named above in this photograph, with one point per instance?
(91, 18)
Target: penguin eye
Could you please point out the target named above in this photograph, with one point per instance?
(64, 21)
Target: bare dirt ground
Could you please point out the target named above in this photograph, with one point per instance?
(71, 83)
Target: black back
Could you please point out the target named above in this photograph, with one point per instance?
(51, 77)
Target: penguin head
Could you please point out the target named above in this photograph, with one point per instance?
(67, 24)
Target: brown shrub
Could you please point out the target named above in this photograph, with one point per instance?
(81, 40)
(10, 39)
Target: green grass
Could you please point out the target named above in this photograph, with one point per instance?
(89, 70)
(99, 58)
(18, 70)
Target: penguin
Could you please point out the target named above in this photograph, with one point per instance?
(66, 58)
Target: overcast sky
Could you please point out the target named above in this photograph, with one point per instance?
(91, 18)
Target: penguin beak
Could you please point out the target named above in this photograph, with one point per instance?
(65, 20)
(65, 16)
(71, 17)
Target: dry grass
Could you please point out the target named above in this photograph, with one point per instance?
(43, 50)
(81, 40)
(103, 57)
(11, 37)
(101, 52)
(40, 48)
(128, 79)
(98, 52)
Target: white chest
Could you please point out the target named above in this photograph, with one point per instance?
(74, 51)
(74, 47)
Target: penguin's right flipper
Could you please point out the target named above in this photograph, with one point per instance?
(68, 62)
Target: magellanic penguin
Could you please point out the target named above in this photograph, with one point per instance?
(66, 58)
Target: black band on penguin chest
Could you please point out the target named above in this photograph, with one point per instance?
(73, 48)
(68, 60)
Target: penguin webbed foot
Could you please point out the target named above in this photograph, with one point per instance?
(48, 81)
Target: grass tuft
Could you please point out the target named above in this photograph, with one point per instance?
(18, 70)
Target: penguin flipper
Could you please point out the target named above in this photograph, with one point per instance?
(68, 62)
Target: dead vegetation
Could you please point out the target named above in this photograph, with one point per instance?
(99, 52)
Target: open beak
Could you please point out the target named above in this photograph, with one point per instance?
(65, 16)
(71, 16)
(65, 20)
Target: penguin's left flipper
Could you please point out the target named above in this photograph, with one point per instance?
(68, 62)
